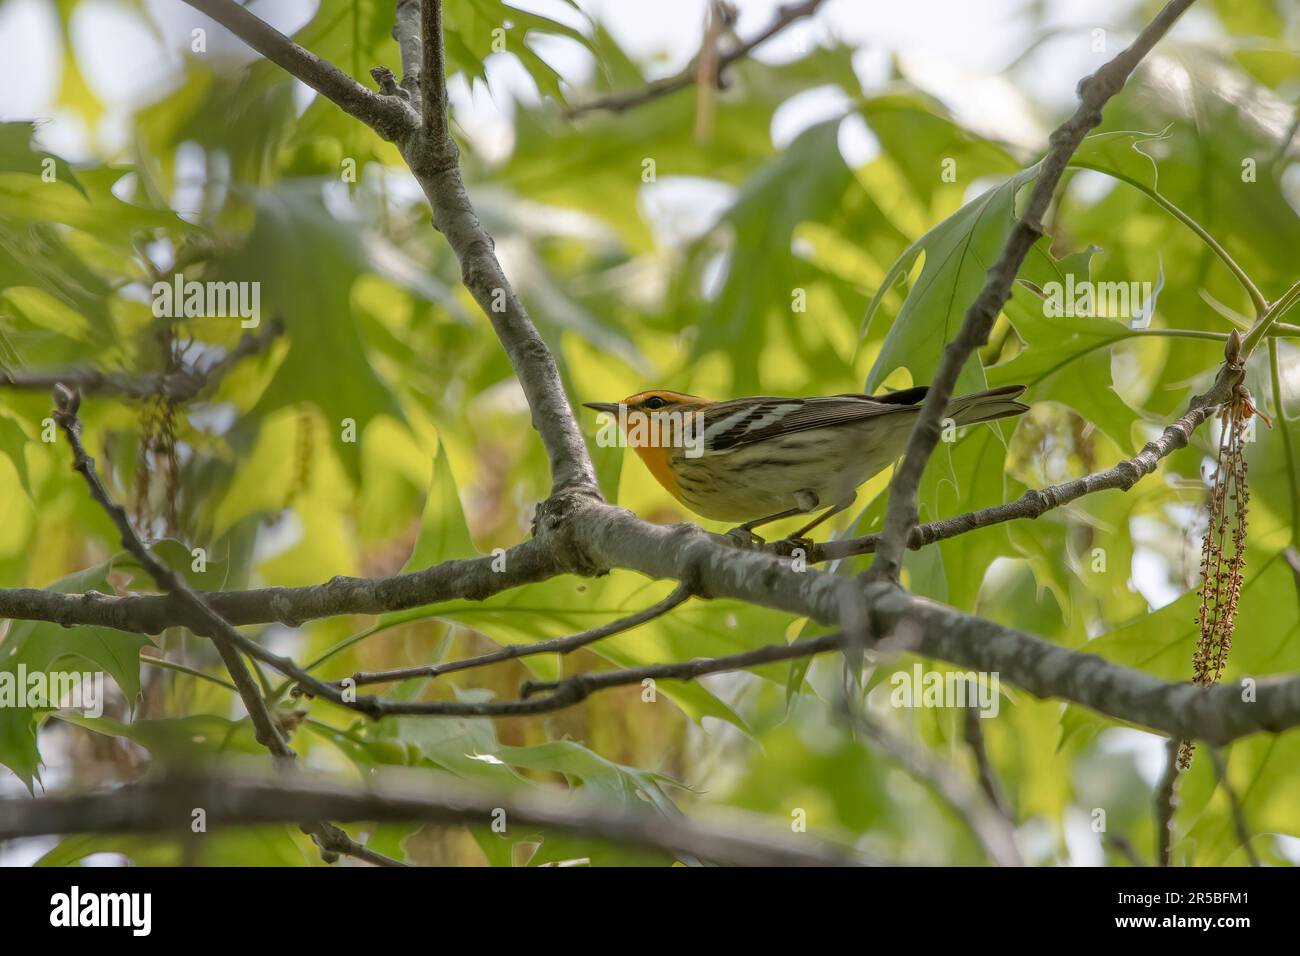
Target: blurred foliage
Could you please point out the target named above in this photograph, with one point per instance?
(230, 176)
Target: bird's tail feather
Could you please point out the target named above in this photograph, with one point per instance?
(988, 405)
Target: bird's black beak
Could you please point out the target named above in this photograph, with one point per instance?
(609, 408)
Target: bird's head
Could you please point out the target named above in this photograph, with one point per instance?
(658, 423)
(655, 400)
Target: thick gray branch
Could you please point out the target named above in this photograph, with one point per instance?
(688, 554)
(470, 578)
(230, 799)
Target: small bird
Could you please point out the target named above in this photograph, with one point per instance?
(764, 458)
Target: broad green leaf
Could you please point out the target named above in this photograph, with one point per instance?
(1067, 359)
(307, 262)
(957, 256)
(18, 155)
(807, 182)
(13, 445)
(443, 531)
(39, 646)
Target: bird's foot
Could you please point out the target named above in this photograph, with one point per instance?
(787, 547)
(742, 537)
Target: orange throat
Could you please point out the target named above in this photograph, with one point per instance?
(659, 461)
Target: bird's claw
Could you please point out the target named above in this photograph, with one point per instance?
(742, 537)
(786, 547)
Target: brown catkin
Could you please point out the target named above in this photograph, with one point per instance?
(1223, 556)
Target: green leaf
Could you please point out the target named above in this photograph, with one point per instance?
(625, 786)
(39, 646)
(1067, 359)
(443, 531)
(13, 445)
(808, 181)
(18, 155)
(197, 738)
(957, 256)
(306, 262)
(474, 28)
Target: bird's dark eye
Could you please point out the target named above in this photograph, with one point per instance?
(654, 401)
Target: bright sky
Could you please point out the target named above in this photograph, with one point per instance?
(953, 48)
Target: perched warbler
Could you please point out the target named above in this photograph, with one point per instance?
(764, 458)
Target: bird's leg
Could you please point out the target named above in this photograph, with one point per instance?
(800, 538)
(805, 501)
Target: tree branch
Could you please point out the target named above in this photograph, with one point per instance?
(618, 102)
(183, 385)
(570, 690)
(433, 77)
(988, 776)
(1037, 502)
(406, 31)
(268, 733)
(991, 828)
(556, 645)
(1238, 812)
(1166, 803)
(329, 838)
(386, 115)
(467, 578)
(1094, 92)
(433, 158)
(230, 799)
(691, 555)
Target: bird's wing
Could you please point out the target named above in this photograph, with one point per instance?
(745, 421)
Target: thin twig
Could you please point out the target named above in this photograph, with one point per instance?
(67, 404)
(1234, 803)
(1166, 804)
(618, 102)
(329, 838)
(1124, 847)
(988, 776)
(182, 385)
(1035, 502)
(991, 827)
(1094, 92)
(570, 690)
(556, 645)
